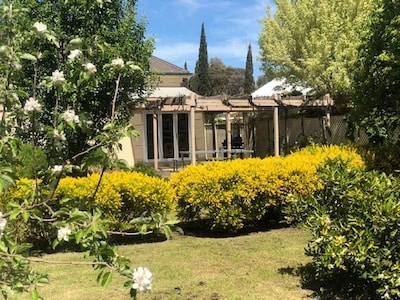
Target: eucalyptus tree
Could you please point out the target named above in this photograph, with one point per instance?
(314, 43)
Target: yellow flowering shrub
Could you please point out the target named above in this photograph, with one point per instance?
(23, 193)
(231, 193)
(121, 195)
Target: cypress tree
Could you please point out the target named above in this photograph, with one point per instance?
(202, 78)
(249, 79)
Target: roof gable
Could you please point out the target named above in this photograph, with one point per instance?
(165, 67)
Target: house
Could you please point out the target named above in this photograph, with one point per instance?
(170, 74)
(177, 126)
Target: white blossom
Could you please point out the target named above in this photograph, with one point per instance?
(91, 68)
(142, 279)
(40, 27)
(57, 77)
(57, 168)
(74, 54)
(91, 143)
(17, 66)
(118, 62)
(59, 134)
(3, 223)
(70, 116)
(32, 105)
(63, 233)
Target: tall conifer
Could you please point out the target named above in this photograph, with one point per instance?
(201, 84)
(249, 79)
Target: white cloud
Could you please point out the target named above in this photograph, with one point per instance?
(230, 26)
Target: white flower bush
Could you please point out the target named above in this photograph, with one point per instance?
(59, 134)
(3, 223)
(142, 279)
(89, 67)
(40, 27)
(57, 77)
(49, 126)
(32, 105)
(76, 53)
(63, 233)
(70, 116)
(118, 62)
(57, 168)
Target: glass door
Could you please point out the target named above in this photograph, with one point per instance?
(173, 135)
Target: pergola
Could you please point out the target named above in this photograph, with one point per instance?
(192, 103)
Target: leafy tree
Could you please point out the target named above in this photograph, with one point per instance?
(218, 77)
(314, 43)
(102, 30)
(200, 82)
(29, 52)
(225, 80)
(249, 79)
(236, 81)
(377, 79)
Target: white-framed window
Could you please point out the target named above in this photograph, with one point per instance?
(173, 134)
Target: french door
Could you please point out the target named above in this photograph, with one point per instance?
(172, 135)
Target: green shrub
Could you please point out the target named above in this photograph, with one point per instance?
(354, 220)
(232, 193)
(144, 168)
(31, 230)
(29, 164)
(383, 159)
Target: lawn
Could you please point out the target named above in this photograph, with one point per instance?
(257, 265)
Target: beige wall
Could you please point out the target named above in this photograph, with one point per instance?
(132, 148)
(172, 80)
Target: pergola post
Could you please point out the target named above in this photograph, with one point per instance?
(276, 130)
(192, 129)
(228, 134)
(155, 140)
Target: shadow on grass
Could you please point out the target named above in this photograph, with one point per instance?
(340, 287)
(201, 228)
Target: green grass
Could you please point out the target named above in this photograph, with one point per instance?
(258, 265)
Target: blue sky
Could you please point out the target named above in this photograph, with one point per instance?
(230, 26)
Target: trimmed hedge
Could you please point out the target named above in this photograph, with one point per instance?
(123, 196)
(231, 193)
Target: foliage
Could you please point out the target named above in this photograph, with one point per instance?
(225, 80)
(200, 81)
(53, 76)
(122, 196)
(314, 44)
(353, 219)
(381, 158)
(145, 168)
(32, 161)
(89, 34)
(232, 193)
(249, 84)
(376, 84)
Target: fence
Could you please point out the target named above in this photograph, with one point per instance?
(294, 132)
